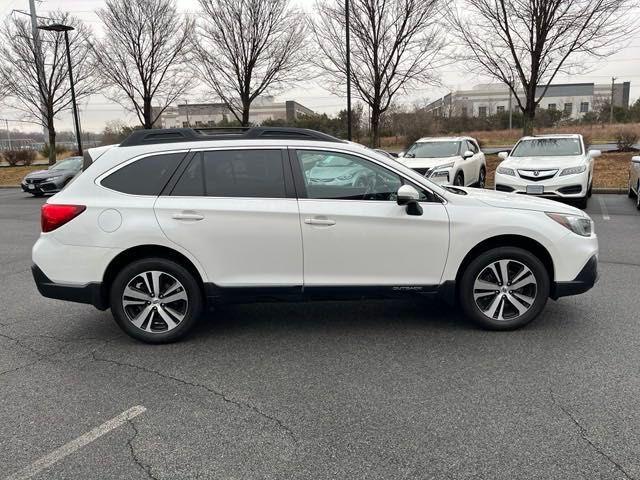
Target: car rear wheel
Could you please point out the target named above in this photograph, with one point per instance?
(155, 300)
(504, 288)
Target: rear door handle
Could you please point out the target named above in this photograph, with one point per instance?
(319, 221)
(187, 216)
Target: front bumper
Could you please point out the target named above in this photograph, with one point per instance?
(584, 281)
(568, 186)
(90, 293)
(43, 187)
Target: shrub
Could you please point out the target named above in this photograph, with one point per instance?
(17, 157)
(45, 150)
(626, 139)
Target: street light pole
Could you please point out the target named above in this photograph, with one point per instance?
(57, 27)
(348, 40)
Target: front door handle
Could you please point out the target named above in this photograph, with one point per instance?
(319, 221)
(192, 216)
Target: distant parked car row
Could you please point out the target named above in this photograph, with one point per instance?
(552, 166)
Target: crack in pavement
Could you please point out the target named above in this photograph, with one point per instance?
(219, 393)
(145, 468)
(585, 437)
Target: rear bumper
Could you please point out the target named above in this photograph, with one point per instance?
(90, 293)
(584, 281)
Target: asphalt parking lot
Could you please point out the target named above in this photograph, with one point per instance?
(377, 389)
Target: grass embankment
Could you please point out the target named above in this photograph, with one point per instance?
(499, 138)
(14, 175)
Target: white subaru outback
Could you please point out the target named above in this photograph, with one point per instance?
(171, 221)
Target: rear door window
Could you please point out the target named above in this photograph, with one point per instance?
(234, 173)
(146, 176)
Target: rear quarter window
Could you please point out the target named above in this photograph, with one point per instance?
(146, 176)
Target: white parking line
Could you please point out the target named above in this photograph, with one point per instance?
(68, 448)
(603, 207)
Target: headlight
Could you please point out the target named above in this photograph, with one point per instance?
(506, 171)
(51, 179)
(346, 177)
(582, 226)
(443, 167)
(573, 170)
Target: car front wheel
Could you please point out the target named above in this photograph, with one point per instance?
(504, 288)
(155, 300)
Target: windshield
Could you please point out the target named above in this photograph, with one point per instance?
(433, 149)
(547, 147)
(74, 163)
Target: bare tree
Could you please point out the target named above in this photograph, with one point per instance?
(42, 97)
(525, 44)
(245, 48)
(143, 55)
(394, 47)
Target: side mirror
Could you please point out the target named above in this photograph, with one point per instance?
(400, 154)
(409, 196)
(467, 154)
(594, 153)
(503, 155)
(635, 159)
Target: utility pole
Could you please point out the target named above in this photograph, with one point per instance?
(613, 84)
(39, 60)
(186, 102)
(348, 50)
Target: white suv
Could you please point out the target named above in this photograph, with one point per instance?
(447, 160)
(170, 221)
(554, 166)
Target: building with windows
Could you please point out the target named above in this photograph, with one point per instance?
(201, 115)
(575, 99)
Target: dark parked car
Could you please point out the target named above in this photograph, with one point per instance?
(54, 179)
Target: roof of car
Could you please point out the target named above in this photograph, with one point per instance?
(443, 139)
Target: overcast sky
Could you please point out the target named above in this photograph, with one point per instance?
(97, 110)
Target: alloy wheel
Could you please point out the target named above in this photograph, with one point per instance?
(505, 290)
(155, 301)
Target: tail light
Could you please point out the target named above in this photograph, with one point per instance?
(54, 216)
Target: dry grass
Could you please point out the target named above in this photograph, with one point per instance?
(14, 175)
(611, 170)
(499, 138)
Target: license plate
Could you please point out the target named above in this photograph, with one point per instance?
(31, 187)
(535, 189)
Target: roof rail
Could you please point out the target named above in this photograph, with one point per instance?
(177, 135)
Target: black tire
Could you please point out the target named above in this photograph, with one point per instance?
(458, 180)
(169, 269)
(590, 189)
(582, 202)
(480, 264)
(630, 193)
(482, 178)
(638, 196)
